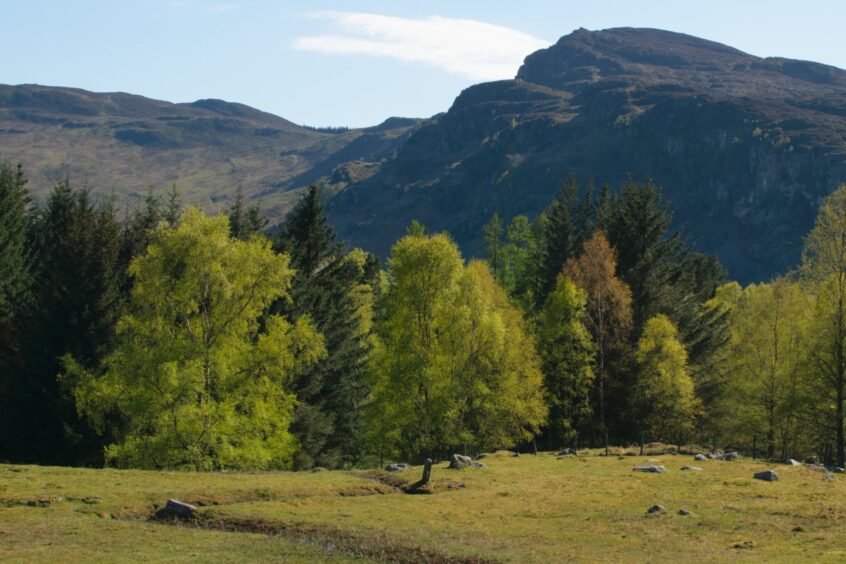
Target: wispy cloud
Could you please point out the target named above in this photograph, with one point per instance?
(469, 48)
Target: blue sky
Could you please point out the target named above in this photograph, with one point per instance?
(356, 63)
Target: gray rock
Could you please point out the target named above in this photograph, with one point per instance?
(792, 462)
(179, 508)
(650, 468)
(684, 512)
(481, 456)
(478, 465)
(838, 470)
(812, 460)
(694, 468)
(700, 458)
(398, 467)
(656, 509)
(459, 461)
(766, 475)
(566, 452)
(716, 456)
(731, 456)
(516, 455)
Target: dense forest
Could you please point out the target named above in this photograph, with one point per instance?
(162, 337)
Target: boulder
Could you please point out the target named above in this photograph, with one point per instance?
(700, 457)
(656, 509)
(792, 462)
(478, 465)
(650, 468)
(566, 452)
(398, 467)
(459, 461)
(684, 512)
(731, 456)
(178, 508)
(694, 468)
(716, 456)
(766, 475)
(812, 460)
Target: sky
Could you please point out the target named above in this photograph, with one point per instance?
(356, 63)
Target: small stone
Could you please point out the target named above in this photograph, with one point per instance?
(92, 499)
(744, 545)
(838, 470)
(731, 456)
(179, 508)
(684, 512)
(516, 455)
(650, 468)
(798, 529)
(812, 460)
(566, 452)
(700, 458)
(766, 475)
(656, 509)
(459, 461)
(398, 467)
(792, 462)
(478, 465)
(694, 468)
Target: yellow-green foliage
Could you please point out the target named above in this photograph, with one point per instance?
(454, 364)
(196, 380)
(664, 395)
(527, 509)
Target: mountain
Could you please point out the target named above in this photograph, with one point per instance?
(745, 147)
(126, 145)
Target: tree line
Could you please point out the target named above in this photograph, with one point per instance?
(162, 337)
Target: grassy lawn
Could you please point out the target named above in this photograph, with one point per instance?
(589, 508)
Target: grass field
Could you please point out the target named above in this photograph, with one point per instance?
(530, 508)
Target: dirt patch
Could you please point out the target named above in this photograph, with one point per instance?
(376, 544)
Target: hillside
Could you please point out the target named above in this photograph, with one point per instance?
(542, 508)
(745, 147)
(125, 145)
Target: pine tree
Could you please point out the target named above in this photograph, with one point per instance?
(332, 394)
(492, 234)
(14, 257)
(77, 300)
(560, 237)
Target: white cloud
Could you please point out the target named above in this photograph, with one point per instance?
(469, 48)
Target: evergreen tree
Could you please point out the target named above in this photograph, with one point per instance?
(560, 238)
(77, 301)
(492, 236)
(329, 418)
(173, 207)
(14, 256)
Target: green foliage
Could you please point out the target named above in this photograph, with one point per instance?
(767, 392)
(567, 358)
(664, 398)
(14, 256)
(334, 290)
(454, 364)
(492, 235)
(196, 380)
(245, 222)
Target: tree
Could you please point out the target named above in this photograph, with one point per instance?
(15, 259)
(198, 378)
(493, 241)
(454, 364)
(824, 266)
(567, 355)
(769, 332)
(608, 310)
(560, 235)
(663, 396)
(521, 261)
(327, 288)
(76, 303)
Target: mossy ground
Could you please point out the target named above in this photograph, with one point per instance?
(531, 508)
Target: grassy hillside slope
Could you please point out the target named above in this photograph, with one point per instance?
(530, 508)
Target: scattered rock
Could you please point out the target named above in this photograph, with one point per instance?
(798, 529)
(744, 545)
(694, 468)
(657, 509)
(516, 455)
(812, 460)
(837, 470)
(459, 461)
(478, 465)
(650, 468)
(92, 499)
(566, 452)
(684, 512)
(792, 462)
(700, 458)
(398, 467)
(716, 456)
(731, 456)
(178, 508)
(44, 501)
(766, 475)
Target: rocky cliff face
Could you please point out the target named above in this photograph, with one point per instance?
(745, 147)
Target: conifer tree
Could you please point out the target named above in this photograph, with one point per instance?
(328, 421)
(560, 238)
(14, 256)
(492, 235)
